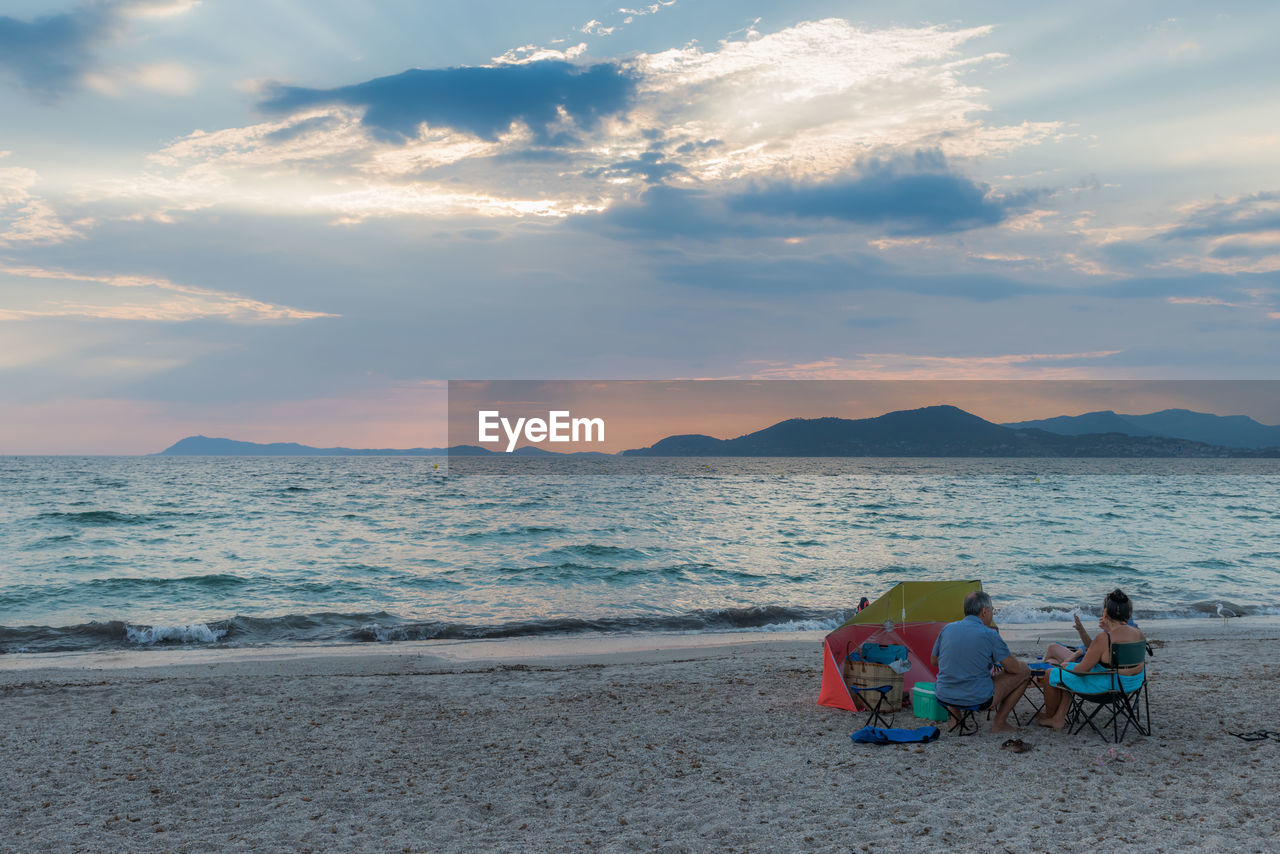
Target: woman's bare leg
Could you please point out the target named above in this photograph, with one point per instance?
(1059, 654)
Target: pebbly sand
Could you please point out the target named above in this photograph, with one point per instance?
(704, 743)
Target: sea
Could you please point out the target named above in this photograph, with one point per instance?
(107, 553)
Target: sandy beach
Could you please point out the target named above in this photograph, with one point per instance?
(676, 743)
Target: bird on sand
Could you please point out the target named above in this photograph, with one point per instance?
(1225, 613)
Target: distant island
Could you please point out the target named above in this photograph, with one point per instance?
(205, 446)
(933, 431)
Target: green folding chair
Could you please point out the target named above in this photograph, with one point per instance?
(1132, 706)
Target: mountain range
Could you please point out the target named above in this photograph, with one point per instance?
(1232, 431)
(933, 431)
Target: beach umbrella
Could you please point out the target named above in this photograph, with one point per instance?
(910, 615)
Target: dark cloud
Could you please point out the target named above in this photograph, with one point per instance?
(672, 212)
(1229, 250)
(1246, 215)
(690, 147)
(48, 55)
(910, 195)
(483, 101)
(651, 166)
(915, 195)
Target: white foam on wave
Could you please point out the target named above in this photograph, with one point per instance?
(383, 634)
(797, 626)
(193, 633)
(1023, 614)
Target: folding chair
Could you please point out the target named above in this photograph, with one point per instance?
(963, 718)
(874, 718)
(1133, 706)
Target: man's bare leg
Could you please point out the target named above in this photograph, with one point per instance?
(1008, 689)
(1052, 696)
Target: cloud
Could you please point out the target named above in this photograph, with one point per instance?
(1258, 294)
(30, 219)
(911, 195)
(1243, 215)
(650, 166)
(803, 108)
(679, 213)
(168, 78)
(150, 298)
(528, 53)
(1234, 236)
(156, 8)
(906, 366)
(49, 54)
(55, 54)
(908, 195)
(483, 101)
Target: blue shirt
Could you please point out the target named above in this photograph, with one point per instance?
(966, 652)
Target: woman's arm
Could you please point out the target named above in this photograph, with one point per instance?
(1084, 636)
(1092, 655)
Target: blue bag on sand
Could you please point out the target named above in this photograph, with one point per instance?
(879, 735)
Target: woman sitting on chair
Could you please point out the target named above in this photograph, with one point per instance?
(1089, 674)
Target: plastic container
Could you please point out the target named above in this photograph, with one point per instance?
(925, 703)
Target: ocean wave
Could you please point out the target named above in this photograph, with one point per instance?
(763, 618)
(108, 634)
(596, 550)
(383, 627)
(215, 581)
(1019, 614)
(188, 634)
(571, 571)
(96, 517)
(515, 531)
(1072, 570)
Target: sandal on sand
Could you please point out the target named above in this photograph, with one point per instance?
(1113, 754)
(1017, 745)
(1256, 735)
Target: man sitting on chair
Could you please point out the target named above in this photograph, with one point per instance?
(965, 654)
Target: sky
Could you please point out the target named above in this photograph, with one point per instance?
(296, 221)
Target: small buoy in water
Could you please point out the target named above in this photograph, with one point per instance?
(435, 465)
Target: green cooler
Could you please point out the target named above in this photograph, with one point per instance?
(925, 704)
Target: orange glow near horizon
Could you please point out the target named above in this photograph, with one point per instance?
(639, 413)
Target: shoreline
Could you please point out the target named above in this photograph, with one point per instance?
(596, 648)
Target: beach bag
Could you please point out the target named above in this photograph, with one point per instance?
(867, 674)
(883, 653)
